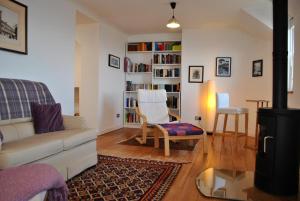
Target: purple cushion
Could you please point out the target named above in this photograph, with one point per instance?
(1, 137)
(47, 118)
(182, 129)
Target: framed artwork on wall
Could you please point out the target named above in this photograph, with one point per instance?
(223, 66)
(13, 26)
(257, 68)
(114, 61)
(196, 74)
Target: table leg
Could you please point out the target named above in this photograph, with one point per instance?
(167, 146)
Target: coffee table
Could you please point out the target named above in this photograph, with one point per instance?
(225, 184)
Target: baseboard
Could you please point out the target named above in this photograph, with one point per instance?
(110, 129)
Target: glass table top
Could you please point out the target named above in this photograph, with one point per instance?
(226, 184)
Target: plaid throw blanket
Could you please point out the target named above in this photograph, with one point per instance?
(16, 96)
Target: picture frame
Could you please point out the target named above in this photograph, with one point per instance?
(114, 61)
(223, 66)
(257, 68)
(196, 74)
(13, 32)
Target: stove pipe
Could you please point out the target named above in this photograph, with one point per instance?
(280, 53)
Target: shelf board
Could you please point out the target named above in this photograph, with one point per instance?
(139, 73)
(136, 52)
(168, 51)
(166, 64)
(175, 92)
(166, 77)
(130, 92)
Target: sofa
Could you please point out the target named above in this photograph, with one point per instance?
(70, 151)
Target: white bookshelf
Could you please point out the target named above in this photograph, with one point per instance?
(169, 60)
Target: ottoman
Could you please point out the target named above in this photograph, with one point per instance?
(179, 131)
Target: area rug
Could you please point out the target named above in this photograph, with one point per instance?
(123, 179)
(179, 145)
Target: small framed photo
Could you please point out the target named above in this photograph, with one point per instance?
(196, 74)
(257, 68)
(13, 26)
(223, 66)
(114, 61)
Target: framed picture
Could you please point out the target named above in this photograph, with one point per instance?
(113, 61)
(196, 74)
(13, 26)
(257, 68)
(223, 66)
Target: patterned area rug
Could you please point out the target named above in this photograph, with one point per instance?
(123, 179)
(179, 145)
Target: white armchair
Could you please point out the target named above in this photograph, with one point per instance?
(152, 109)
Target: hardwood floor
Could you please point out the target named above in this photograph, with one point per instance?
(220, 155)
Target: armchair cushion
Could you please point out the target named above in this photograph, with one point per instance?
(74, 122)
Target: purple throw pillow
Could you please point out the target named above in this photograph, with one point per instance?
(1, 137)
(47, 118)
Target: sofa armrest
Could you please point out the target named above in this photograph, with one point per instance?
(74, 122)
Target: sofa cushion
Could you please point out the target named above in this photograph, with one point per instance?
(28, 150)
(74, 137)
(47, 118)
(17, 131)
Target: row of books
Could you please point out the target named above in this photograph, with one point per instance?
(132, 117)
(133, 87)
(131, 102)
(143, 46)
(167, 72)
(172, 102)
(138, 68)
(168, 87)
(168, 46)
(166, 59)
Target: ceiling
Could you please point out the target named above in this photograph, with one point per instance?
(151, 16)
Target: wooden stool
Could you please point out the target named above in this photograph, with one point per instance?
(223, 108)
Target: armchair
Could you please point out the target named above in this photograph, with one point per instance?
(152, 109)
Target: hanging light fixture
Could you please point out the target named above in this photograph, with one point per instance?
(173, 23)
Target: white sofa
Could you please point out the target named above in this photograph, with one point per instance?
(70, 151)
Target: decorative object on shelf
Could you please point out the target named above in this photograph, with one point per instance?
(13, 29)
(257, 68)
(114, 61)
(173, 23)
(196, 74)
(223, 66)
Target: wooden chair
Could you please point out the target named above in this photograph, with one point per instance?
(152, 110)
(223, 107)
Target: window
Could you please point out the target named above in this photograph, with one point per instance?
(291, 50)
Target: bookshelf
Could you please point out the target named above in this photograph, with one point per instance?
(151, 65)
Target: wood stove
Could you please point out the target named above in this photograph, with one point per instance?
(277, 159)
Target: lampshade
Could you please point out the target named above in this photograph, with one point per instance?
(211, 104)
(173, 23)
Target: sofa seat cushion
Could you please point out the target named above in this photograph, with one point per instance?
(73, 137)
(28, 150)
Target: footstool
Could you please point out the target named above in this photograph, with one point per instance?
(179, 131)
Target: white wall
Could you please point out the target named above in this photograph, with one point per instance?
(202, 46)
(294, 99)
(87, 36)
(112, 80)
(50, 58)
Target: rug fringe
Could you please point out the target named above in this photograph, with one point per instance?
(146, 157)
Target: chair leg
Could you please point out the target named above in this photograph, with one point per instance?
(246, 128)
(236, 130)
(215, 127)
(224, 126)
(205, 145)
(144, 135)
(156, 138)
(167, 146)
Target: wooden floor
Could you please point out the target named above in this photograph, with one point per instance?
(220, 155)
